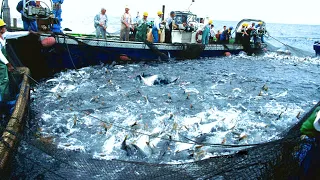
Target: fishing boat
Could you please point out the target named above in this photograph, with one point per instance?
(316, 47)
(14, 114)
(72, 50)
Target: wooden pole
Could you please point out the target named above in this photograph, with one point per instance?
(163, 10)
(15, 24)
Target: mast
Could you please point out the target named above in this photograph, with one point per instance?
(6, 13)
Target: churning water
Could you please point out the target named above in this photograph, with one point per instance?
(227, 100)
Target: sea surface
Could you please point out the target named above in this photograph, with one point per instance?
(108, 112)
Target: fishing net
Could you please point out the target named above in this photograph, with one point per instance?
(38, 157)
(280, 159)
(285, 49)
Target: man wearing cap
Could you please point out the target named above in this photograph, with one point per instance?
(142, 27)
(126, 22)
(5, 66)
(170, 24)
(156, 27)
(100, 23)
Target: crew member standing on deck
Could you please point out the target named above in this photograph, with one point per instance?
(206, 33)
(57, 14)
(156, 27)
(5, 66)
(126, 22)
(100, 23)
(28, 24)
(142, 27)
(170, 25)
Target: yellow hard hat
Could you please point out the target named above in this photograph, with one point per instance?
(2, 23)
(145, 14)
(160, 13)
(210, 21)
(260, 23)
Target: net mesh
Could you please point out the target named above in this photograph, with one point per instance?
(39, 158)
(279, 159)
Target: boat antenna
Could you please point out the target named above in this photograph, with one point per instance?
(190, 5)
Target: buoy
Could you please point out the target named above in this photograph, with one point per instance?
(227, 54)
(199, 36)
(124, 57)
(48, 41)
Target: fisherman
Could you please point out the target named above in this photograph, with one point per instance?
(201, 24)
(206, 33)
(135, 24)
(57, 14)
(28, 24)
(226, 35)
(253, 32)
(126, 22)
(310, 161)
(212, 34)
(156, 27)
(5, 66)
(142, 27)
(261, 31)
(245, 40)
(101, 23)
(170, 26)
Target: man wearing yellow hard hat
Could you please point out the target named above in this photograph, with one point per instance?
(206, 33)
(261, 31)
(156, 27)
(126, 22)
(5, 66)
(142, 27)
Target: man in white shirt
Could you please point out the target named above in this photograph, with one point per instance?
(100, 23)
(156, 27)
(212, 33)
(5, 66)
(126, 22)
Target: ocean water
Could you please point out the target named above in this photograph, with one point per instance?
(235, 100)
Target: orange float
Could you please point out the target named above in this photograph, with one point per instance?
(227, 54)
(48, 41)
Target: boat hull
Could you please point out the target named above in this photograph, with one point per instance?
(316, 47)
(70, 52)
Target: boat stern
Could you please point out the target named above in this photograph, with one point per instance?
(316, 47)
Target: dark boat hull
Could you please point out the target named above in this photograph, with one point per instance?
(70, 52)
(316, 47)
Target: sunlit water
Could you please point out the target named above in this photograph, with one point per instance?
(234, 100)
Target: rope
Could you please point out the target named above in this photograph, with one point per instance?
(279, 41)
